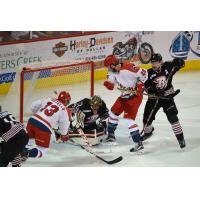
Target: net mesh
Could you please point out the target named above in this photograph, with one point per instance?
(41, 83)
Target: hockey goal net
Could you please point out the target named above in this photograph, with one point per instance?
(42, 82)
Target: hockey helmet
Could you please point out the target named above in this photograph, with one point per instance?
(156, 57)
(64, 97)
(95, 102)
(111, 60)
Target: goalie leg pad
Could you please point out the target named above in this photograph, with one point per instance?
(94, 137)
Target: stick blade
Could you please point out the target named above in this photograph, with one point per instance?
(120, 158)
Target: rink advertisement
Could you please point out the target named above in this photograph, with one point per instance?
(129, 45)
(69, 50)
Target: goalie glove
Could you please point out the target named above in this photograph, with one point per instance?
(78, 120)
(99, 122)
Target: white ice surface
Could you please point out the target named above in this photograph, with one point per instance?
(160, 150)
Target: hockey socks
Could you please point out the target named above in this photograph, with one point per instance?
(135, 136)
(177, 129)
(137, 141)
(111, 128)
(16, 162)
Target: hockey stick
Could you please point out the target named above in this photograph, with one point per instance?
(150, 115)
(89, 150)
(163, 97)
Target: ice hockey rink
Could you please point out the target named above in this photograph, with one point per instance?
(161, 150)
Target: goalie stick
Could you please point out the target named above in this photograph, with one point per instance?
(89, 150)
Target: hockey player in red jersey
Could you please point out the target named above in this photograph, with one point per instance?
(49, 114)
(129, 80)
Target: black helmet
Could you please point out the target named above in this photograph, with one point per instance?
(156, 57)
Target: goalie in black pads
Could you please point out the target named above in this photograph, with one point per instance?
(160, 93)
(13, 139)
(90, 116)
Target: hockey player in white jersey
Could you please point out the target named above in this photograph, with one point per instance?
(49, 114)
(129, 80)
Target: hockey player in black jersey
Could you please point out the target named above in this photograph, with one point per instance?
(13, 139)
(89, 114)
(160, 95)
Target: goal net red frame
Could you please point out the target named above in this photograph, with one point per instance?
(77, 79)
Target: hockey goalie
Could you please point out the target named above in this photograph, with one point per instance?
(88, 120)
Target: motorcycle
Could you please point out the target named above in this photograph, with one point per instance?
(132, 47)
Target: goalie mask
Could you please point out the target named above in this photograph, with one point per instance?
(64, 97)
(95, 102)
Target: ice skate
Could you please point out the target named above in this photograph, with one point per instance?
(182, 143)
(137, 148)
(110, 139)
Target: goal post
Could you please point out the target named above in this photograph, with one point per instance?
(40, 83)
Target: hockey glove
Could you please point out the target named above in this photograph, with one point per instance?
(61, 138)
(178, 63)
(109, 85)
(99, 122)
(64, 138)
